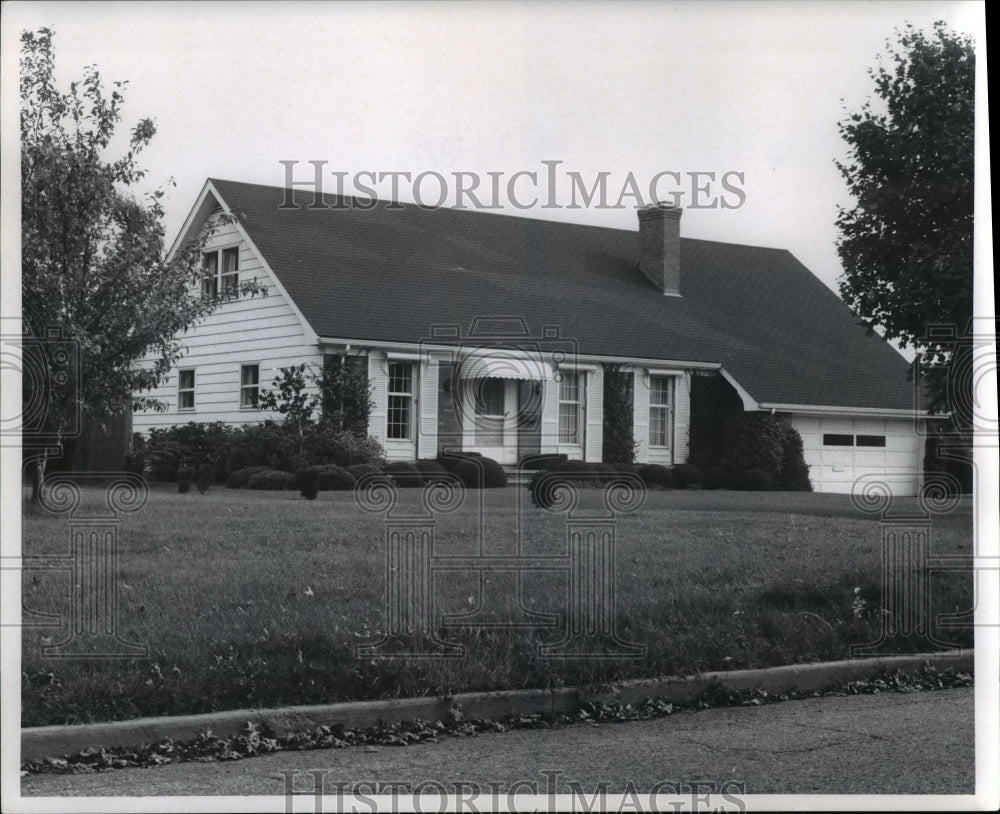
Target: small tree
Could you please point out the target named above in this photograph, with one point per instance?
(345, 393)
(291, 397)
(93, 266)
(619, 434)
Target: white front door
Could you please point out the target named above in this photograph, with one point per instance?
(490, 418)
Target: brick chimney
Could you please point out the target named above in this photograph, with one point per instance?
(660, 246)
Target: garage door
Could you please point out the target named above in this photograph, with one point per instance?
(839, 451)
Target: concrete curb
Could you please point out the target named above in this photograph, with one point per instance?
(56, 741)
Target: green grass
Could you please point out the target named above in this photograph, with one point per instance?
(259, 598)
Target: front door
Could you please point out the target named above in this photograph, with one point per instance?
(490, 425)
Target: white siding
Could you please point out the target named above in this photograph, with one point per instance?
(594, 416)
(899, 464)
(640, 412)
(252, 330)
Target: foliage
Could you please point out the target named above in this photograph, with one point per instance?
(431, 471)
(308, 483)
(345, 393)
(794, 475)
(185, 476)
(543, 461)
(92, 259)
(203, 477)
(272, 479)
(752, 441)
(619, 436)
(404, 474)
(752, 480)
(656, 475)
(717, 477)
(239, 478)
(480, 473)
(360, 470)
(333, 478)
(686, 476)
(907, 244)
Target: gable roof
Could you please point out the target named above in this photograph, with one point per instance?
(391, 273)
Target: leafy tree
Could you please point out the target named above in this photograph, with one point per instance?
(93, 264)
(906, 246)
(345, 393)
(619, 443)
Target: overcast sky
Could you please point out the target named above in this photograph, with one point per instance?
(751, 88)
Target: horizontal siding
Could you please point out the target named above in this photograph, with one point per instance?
(262, 330)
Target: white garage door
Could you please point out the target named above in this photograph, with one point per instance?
(839, 451)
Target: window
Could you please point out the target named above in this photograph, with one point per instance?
(185, 389)
(870, 441)
(837, 440)
(221, 271)
(249, 385)
(400, 417)
(569, 408)
(661, 409)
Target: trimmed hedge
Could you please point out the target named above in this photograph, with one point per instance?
(656, 475)
(272, 479)
(479, 473)
(404, 474)
(431, 470)
(687, 476)
(543, 461)
(360, 470)
(752, 480)
(240, 477)
(717, 477)
(184, 478)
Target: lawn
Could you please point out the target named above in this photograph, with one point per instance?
(251, 599)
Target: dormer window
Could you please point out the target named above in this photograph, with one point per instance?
(221, 271)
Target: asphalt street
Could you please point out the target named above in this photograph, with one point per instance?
(918, 743)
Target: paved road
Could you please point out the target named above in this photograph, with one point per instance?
(920, 743)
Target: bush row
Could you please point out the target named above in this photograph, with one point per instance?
(224, 449)
(679, 476)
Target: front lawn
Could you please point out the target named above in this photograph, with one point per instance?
(253, 599)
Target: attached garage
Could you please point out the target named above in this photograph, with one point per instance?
(841, 450)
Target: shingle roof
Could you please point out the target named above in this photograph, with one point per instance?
(392, 273)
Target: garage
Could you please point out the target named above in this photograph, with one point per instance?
(841, 450)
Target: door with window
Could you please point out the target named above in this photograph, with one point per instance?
(490, 418)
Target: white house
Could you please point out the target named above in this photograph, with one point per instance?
(493, 333)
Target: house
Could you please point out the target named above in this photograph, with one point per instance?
(493, 333)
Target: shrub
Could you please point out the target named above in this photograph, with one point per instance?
(272, 479)
(480, 473)
(184, 478)
(404, 474)
(624, 467)
(544, 461)
(717, 477)
(432, 471)
(333, 478)
(618, 440)
(203, 477)
(343, 448)
(602, 470)
(240, 477)
(794, 476)
(450, 460)
(687, 476)
(360, 470)
(576, 471)
(655, 475)
(752, 480)
(308, 482)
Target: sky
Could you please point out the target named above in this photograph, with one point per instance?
(751, 89)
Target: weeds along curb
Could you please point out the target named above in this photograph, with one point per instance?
(56, 741)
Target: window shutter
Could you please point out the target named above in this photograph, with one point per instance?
(594, 416)
(640, 406)
(682, 417)
(377, 378)
(427, 406)
(550, 416)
